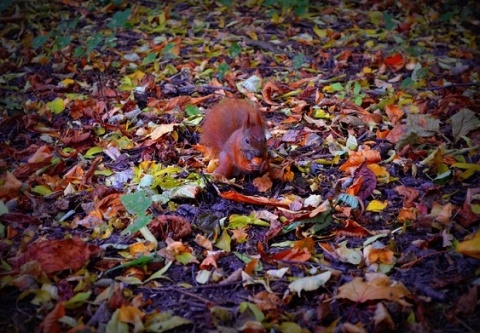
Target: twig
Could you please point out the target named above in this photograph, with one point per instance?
(206, 301)
(413, 262)
(296, 262)
(6, 19)
(451, 85)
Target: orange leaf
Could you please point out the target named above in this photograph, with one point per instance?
(293, 254)
(254, 200)
(50, 323)
(42, 154)
(305, 243)
(407, 214)
(353, 229)
(263, 184)
(355, 159)
(130, 314)
(211, 259)
(394, 113)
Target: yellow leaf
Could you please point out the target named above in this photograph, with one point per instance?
(470, 247)
(470, 169)
(376, 206)
(56, 106)
(380, 172)
(67, 82)
(320, 32)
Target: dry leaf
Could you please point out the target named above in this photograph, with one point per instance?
(263, 184)
(378, 288)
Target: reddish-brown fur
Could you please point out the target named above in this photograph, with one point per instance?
(234, 132)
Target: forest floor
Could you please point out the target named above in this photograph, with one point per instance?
(367, 220)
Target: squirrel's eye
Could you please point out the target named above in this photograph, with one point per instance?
(247, 140)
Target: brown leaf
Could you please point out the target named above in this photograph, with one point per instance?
(409, 195)
(58, 255)
(394, 113)
(164, 225)
(265, 300)
(369, 182)
(19, 218)
(263, 184)
(379, 287)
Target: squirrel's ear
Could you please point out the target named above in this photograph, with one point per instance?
(246, 122)
(259, 118)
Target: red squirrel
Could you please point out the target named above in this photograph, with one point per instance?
(234, 132)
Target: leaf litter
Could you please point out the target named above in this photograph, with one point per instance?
(367, 220)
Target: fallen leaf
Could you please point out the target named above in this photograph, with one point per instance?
(470, 246)
(309, 283)
(380, 287)
(59, 255)
(263, 184)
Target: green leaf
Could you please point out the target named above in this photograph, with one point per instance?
(38, 41)
(136, 203)
(3, 208)
(136, 262)
(337, 86)
(167, 51)
(77, 300)
(93, 151)
(5, 4)
(159, 274)
(149, 58)
(138, 223)
(447, 16)
(408, 83)
(42, 190)
(358, 100)
(56, 106)
(163, 322)
(259, 316)
(222, 70)
(62, 41)
(93, 42)
(234, 50)
(242, 221)
(357, 88)
(79, 52)
(224, 242)
(119, 20)
(186, 258)
(463, 122)
(290, 327)
(192, 110)
(376, 18)
(389, 21)
(298, 61)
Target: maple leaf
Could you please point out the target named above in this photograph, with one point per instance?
(380, 287)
